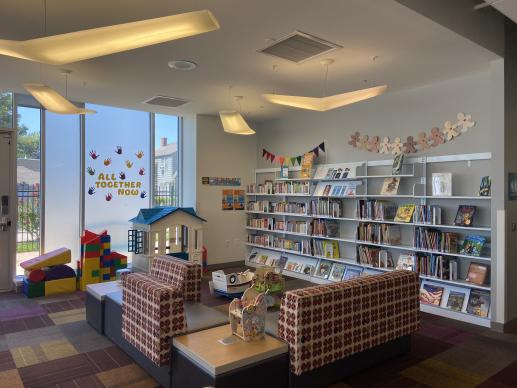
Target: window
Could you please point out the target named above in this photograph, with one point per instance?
(166, 180)
(135, 240)
(28, 184)
(6, 110)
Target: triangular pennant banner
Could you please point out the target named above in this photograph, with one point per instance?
(299, 159)
(316, 151)
(272, 157)
(264, 152)
(322, 146)
(293, 161)
(281, 159)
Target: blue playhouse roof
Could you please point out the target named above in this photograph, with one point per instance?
(151, 215)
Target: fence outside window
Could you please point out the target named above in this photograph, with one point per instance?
(28, 231)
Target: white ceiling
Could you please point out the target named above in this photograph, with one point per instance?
(412, 51)
(506, 7)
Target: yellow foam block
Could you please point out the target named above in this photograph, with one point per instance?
(84, 282)
(90, 265)
(105, 271)
(60, 286)
(55, 257)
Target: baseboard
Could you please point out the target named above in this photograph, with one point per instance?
(504, 327)
(230, 264)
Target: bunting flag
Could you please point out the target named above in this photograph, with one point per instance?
(291, 160)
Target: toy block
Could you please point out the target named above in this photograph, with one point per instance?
(55, 257)
(92, 247)
(91, 255)
(33, 290)
(95, 273)
(106, 252)
(106, 277)
(60, 286)
(36, 276)
(84, 282)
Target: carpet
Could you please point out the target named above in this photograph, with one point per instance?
(46, 342)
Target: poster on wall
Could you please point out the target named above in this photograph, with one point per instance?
(227, 199)
(238, 200)
(512, 186)
(219, 181)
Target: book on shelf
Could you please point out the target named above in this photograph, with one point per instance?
(374, 257)
(442, 184)
(309, 269)
(342, 189)
(323, 269)
(337, 272)
(262, 259)
(379, 233)
(379, 210)
(288, 207)
(455, 300)
(477, 273)
(404, 213)
(291, 188)
(390, 186)
(284, 172)
(485, 187)
(397, 164)
(352, 273)
(331, 249)
(252, 258)
(435, 240)
(438, 266)
(340, 171)
(427, 214)
(307, 162)
(282, 262)
(294, 266)
(326, 207)
(479, 303)
(473, 245)
(431, 294)
(406, 262)
(465, 215)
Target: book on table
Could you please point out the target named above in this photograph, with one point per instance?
(465, 215)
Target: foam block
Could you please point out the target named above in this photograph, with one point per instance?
(33, 290)
(36, 275)
(60, 286)
(55, 257)
(59, 272)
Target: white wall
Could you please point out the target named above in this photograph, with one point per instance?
(222, 155)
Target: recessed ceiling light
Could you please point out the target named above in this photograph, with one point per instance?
(182, 65)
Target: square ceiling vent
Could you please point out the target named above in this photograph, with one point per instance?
(299, 47)
(170, 102)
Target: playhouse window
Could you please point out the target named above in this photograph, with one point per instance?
(156, 243)
(167, 240)
(135, 241)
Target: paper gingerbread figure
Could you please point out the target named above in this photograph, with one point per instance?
(384, 147)
(449, 131)
(423, 142)
(354, 139)
(396, 146)
(465, 121)
(363, 143)
(374, 144)
(436, 137)
(409, 146)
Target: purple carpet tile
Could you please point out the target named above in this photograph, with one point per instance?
(55, 307)
(21, 312)
(108, 358)
(22, 324)
(6, 361)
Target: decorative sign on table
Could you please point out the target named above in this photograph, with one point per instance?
(218, 181)
(425, 140)
(291, 160)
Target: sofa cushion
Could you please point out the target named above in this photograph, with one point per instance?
(201, 317)
(326, 323)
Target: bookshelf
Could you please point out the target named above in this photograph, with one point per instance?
(415, 188)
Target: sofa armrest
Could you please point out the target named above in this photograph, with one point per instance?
(152, 313)
(179, 273)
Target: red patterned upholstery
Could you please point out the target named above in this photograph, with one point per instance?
(152, 313)
(179, 273)
(323, 324)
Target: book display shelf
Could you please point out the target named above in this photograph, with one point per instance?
(351, 219)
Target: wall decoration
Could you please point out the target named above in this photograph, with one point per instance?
(219, 181)
(238, 199)
(433, 138)
(291, 160)
(227, 203)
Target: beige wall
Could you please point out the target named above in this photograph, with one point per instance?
(222, 155)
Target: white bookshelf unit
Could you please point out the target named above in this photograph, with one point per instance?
(414, 188)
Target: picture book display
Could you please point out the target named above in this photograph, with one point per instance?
(442, 184)
(485, 187)
(342, 189)
(397, 164)
(307, 162)
(337, 272)
(309, 269)
(284, 172)
(479, 303)
(455, 300)
(477, 273)
(431, 294)
(323, 270)
(427, 214)
(282, 262)
(406, 262)
(473, 245)
(390, 186)
(404, 213)
(336, 171)
(352, 273)
(465, 215)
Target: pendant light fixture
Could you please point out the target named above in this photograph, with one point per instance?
(323, 104)
(96, 42)
(232, 121)
(52, 100)
(48, 97)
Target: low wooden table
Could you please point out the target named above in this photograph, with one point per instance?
(200, 359)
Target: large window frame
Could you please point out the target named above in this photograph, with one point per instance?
(22, 100)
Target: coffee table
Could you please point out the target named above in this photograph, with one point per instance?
(200, 359)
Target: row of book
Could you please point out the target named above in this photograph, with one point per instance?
(374, 257)
(344, 189)
(291, 188)
(324, 228)
(471, 301)
(435, 240)
(379, 233)
(375, 210)
(277, 207)
(313, 247)
(262, 188)
(326, 207)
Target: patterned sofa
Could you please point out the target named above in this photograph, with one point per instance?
(337, 329)
(153, 305)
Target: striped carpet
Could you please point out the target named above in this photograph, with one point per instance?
(46, 342)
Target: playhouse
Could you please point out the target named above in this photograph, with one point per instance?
(165, 230)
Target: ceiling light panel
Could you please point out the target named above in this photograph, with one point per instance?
(53, 101)
(169, 102)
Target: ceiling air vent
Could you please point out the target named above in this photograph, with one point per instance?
(299, 47)
(170, 102)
